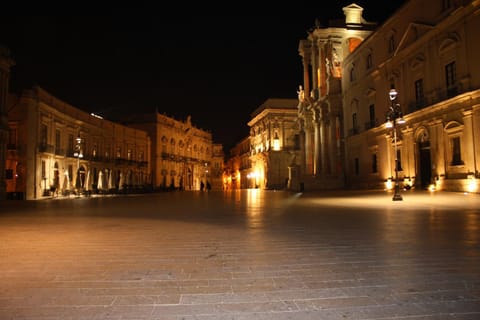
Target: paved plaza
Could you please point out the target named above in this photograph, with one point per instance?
(242, 255)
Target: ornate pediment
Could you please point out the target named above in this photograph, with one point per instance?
(414, 32)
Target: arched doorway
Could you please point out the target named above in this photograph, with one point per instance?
(424, 160)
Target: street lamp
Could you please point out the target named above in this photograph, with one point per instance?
(394, 117)
(78, 154)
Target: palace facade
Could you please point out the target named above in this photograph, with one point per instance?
(57, 149)
(428, 59)
(183, 156)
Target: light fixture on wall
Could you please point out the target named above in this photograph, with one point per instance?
(276, 142)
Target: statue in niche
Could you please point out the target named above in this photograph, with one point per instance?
(301, 93)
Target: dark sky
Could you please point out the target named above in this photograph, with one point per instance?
(217, 67)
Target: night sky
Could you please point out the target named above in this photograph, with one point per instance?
(216, 67)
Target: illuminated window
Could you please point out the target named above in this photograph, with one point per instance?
(276, 142)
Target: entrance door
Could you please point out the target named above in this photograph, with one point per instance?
(425, 164)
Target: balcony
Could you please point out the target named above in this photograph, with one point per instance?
(46, 148)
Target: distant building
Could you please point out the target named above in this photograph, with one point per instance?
(182, 154)
(238, 167)
(274, 144)
(217, 167)
(57, 149)
(5, 64)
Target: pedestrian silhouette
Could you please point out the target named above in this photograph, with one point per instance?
(201, 185)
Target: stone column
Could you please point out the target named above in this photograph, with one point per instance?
(323, 141)
(308, 146)
(468, 141)
(332, 144)
(437, 148)
(316, 142)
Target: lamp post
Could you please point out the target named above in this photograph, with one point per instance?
(78, 154)
(394, 117)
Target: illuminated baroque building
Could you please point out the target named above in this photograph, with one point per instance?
(320, 105)
(5, 64)
(238, 167)
(430, 57)
(182, 155)
(57, 149)
(274, 144)
(217, 167)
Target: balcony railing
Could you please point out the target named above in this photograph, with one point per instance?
(47, 148)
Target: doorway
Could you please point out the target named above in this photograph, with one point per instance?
(425, 164)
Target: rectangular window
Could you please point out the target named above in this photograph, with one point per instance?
(456, 152)
(44, 169)
(372, 116)
(57, 141)
(70, 144)
(354, 123)
(391, 44)
(369, 61)
(43, 134)
(419, 94)
(9, 174)
(451, 79)
(374, 163)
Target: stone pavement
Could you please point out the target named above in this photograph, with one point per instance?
(242, 255)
